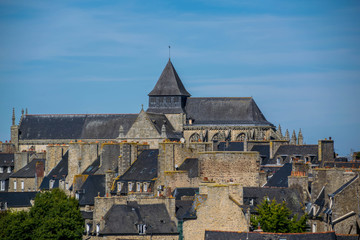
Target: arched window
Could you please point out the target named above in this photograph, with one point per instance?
(195, 138)
(218, 137)
(241, 137)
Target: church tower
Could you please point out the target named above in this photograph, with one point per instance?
(169, 94)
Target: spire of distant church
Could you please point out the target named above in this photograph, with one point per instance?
(169, 83)
(26, 111)
(287, 135)
(293, 138)
(13, 117)
(279, 130)
(300, 138)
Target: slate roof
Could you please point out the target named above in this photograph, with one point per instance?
(87, 215)
(158, 120)
(191, 165)
(280, 178)
(180, 192)
(123, 220)
(144, 168)
(93, 185)
(182, 208)
(7, 160)
(231, 146)
(264, 151)
(225, 110)
(291, 197)
(169, 83)
(340, 189)
(60, 171)
(218, 235)
(29, 170)
(300, 150)
(342, 164)
(74, 126)
(90, 170)
(17, 199)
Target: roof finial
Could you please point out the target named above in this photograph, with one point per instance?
(169, 52)
(13, 117)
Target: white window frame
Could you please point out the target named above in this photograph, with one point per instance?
(1, 170)
(51, 183)
(138, 187)
(130, 186)
(97, 229)
(15, 185)
(145, 187)
(9, 170)
(2, 185)
(22, 185)
(119, 185)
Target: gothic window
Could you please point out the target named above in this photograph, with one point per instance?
(218, 137)
(195, 138)
(241, 137)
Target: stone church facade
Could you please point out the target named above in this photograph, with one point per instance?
(172, 114)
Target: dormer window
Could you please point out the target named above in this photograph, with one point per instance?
(145, 187)
(9, 170)
(88, 227)
(51, 183)
(141, 228)
(278, 161)
(119, 185)
(1, 170)
(97, 229)
(138, 187)
(130, 186)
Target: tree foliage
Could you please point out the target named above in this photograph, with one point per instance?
(277, 218)
(53, 216)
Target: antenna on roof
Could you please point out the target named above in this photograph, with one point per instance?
(169, 52)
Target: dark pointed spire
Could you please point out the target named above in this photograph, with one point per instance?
(169, 83)
(279, 131)
(13, 117)
(26, 111)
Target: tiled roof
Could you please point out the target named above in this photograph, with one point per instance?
(7, 159)
(191, 165)
(280, 178)
(17, 199)
(169, 83)
(123, 220)
(74, 126)
(29, 170)
(227, 111)
(219, 235)
(93, 186)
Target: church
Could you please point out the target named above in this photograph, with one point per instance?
(172, 115)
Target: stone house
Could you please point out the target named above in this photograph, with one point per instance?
(6, 169)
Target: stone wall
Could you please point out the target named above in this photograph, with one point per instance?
(177, 121)
(7, 147)
(220, 212)
(179, 179)
(230, 167)
(54, 154)
(137, 237)
(29, 185)
(274, 146)
(81, 155)
(326, 150)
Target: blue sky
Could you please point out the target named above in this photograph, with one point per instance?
(300, 60)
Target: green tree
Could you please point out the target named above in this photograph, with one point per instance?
(53, 216)
(274, 217)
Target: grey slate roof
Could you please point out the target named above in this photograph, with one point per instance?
(169, 83)
(60, 171)
(300, 150)
(123, 220)
(231, 146)
(29, 170)
(159, 120)
(264, 151)
(17, 199)
(93, 185)
(180, 192)
(225, 110)
(7, 159)
(191, 165)
(218, 235)
(74, 126)
(280, 178)
(291, 197)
